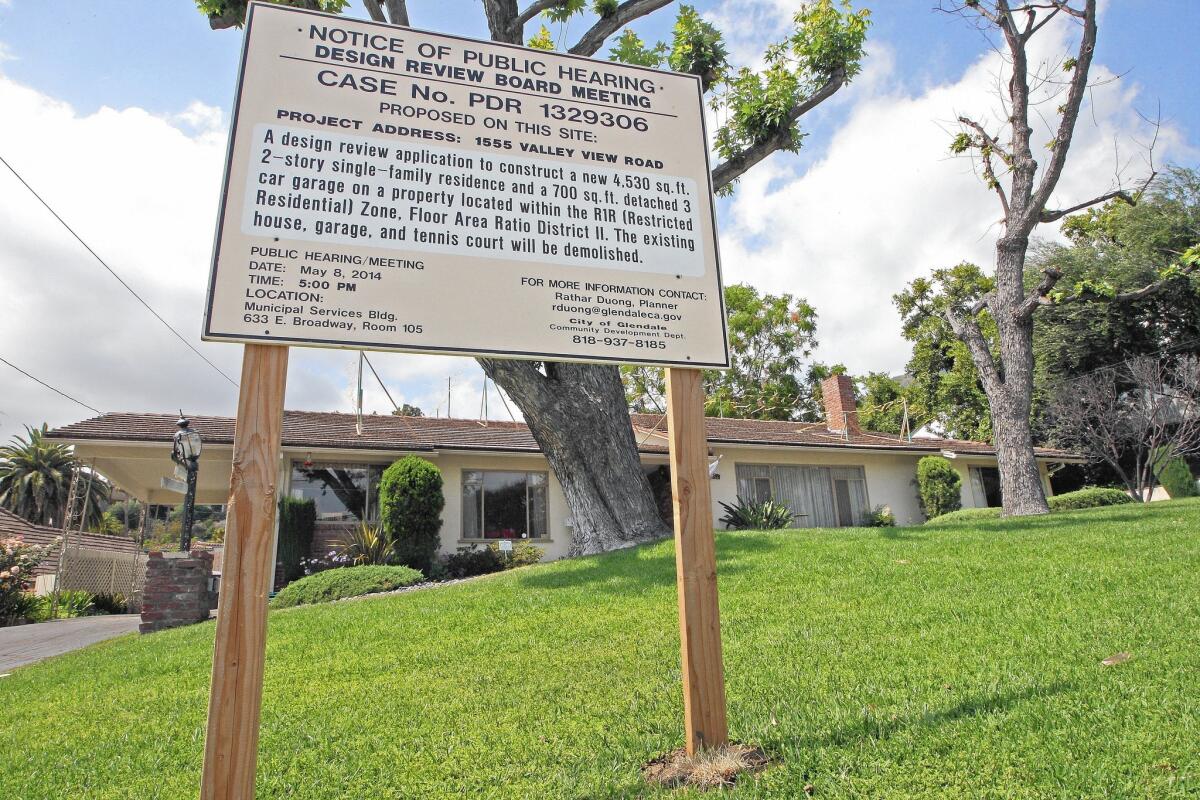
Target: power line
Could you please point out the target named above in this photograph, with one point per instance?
(114, 274)
(51, 388)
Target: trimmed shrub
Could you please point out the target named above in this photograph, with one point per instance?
(297, 520)
(473, 561)
(1092, 497)
(1070, 501)
(410, 505)
(747, 515)
(1176, 478)
(939, 486)
(336, 584)
(880, 517)
(106, 603)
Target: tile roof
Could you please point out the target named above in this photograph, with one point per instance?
(387, 432)
(13, 526)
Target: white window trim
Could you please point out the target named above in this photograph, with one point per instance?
(483, 507)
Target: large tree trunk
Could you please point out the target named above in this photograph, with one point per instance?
(578, 415)
(1010, 396)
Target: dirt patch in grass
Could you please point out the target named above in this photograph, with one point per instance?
(709, 769)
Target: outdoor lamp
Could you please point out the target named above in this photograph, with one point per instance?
(187, 441)
(185, 451)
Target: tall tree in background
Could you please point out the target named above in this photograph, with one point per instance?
(769, 338)
(35, 480)
(946, 392)
(1113, 250)
(1009, 168)
(577, 412)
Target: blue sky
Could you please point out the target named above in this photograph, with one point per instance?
(117, 112)
(161, 55)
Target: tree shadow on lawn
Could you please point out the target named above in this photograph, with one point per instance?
(636, 569)
(879, 727)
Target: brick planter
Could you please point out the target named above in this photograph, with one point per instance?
(176, 591)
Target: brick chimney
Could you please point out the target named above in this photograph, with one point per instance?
(841, 412)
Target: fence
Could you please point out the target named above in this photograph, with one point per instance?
(104, 572)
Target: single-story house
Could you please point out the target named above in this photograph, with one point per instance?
(498, 484)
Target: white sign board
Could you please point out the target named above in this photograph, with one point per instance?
(388, 188)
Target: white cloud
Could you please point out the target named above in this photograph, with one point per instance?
(886, 202)
(6, 53)
(142, 190)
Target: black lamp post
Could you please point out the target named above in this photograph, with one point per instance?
(185, 452)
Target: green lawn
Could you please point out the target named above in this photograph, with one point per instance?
(941, 662)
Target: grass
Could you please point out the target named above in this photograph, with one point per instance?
(956, 662)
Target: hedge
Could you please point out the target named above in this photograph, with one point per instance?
(1176, 477)
(336, 584)
(297, 520)
(939, 486)
(1092, 497)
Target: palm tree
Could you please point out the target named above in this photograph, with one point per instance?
(35, 479)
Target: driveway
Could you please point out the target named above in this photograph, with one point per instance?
(27, 644)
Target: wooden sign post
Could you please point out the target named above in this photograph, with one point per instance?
(695, 564)
(231, 746)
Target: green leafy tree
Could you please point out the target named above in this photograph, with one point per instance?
(410, 506)
(1114, 251)
(578, 412)
(770, 336)
(946, 392)
(35, 480)
(406, 410)
(882, 404)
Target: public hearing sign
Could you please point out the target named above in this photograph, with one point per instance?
(393, 189)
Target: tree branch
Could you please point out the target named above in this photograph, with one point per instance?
(398, 11)
(1066, 126)
(1056, 214)
(500, 16)
(988, 139)
(733, 167)
(967, 330)
(535, 8)
(627, 12)
(375, 10)
(1051, 276)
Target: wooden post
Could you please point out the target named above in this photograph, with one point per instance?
(695, 564)
(231, 745)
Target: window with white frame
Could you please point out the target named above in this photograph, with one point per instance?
(504, 505)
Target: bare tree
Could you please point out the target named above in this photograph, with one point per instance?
(1008, 168)
(1134, 417)
(578, 412)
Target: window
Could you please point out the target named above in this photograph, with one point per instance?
(504, 505)
(985, 482)
(342, 492)
(819, 497)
